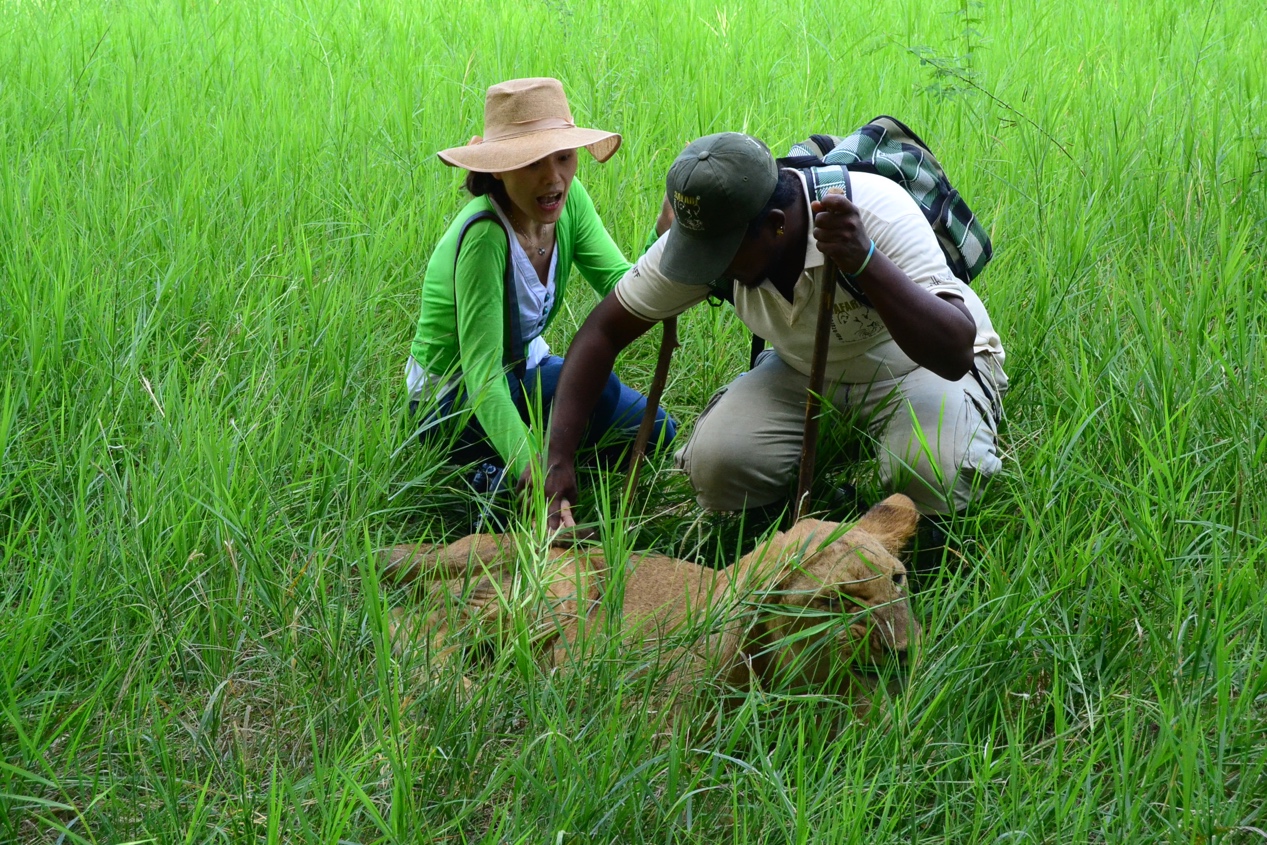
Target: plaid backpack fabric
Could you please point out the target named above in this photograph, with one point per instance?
(889, 148)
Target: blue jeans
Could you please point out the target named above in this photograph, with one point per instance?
(613, 424)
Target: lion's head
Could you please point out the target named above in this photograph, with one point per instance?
(840, 606)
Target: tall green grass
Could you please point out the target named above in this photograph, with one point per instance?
(213, 222)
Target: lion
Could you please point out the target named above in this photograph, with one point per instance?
(820, 606)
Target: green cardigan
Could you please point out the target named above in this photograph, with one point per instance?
(468, 338)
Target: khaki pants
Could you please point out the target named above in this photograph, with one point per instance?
(935, 439)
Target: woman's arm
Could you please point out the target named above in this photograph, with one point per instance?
(594, 252)
(481, 320)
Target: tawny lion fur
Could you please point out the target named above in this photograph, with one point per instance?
(757, 623)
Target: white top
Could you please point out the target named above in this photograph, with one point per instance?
(535, 299)
(861, 348)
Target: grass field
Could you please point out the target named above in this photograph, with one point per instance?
(213, 223)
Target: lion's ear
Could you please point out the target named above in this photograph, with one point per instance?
(892, 522)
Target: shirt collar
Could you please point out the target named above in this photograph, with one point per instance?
(813, 258)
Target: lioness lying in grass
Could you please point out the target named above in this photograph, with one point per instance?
(816, 607)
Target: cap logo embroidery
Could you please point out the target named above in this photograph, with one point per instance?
(686, 208)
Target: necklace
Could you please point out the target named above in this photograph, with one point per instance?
(528, 242)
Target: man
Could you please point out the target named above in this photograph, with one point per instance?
(919, 363)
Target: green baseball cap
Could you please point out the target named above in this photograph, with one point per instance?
(716, 187)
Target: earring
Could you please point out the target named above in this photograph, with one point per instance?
(778, 232)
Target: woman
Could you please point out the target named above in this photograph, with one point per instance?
(495, 277)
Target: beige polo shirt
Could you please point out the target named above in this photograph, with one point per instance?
(861, 348)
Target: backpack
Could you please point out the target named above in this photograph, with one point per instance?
(889, 148)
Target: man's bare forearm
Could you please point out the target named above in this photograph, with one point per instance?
(586, 368)
(934, 332)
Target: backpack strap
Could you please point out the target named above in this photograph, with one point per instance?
(823, 144)
(513, 346)
(719, 291)
(819, 182)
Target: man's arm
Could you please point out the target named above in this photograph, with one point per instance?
(586, 367)
(935, 332)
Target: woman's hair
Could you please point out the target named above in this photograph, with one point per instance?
(785, 189)
(480, 184)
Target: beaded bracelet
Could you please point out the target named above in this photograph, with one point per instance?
(856, 273)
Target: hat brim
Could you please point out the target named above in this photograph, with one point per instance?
(694, 260)
(523, 150)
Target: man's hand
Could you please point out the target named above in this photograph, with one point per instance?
(560, 491)
(839, 232)
(665, 220)
(935, 331)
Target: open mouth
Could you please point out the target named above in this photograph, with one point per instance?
(550, 202)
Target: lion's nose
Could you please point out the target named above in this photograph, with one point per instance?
(901, 653)
(901, 641)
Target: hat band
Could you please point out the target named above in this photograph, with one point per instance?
(527, 127)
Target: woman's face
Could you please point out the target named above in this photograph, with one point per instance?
(539, 190)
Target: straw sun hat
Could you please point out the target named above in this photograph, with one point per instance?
(526, 120)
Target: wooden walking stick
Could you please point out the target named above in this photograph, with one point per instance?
(813, 401)
(817, 375)
(668, 342)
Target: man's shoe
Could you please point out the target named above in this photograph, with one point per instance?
(929, 552)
